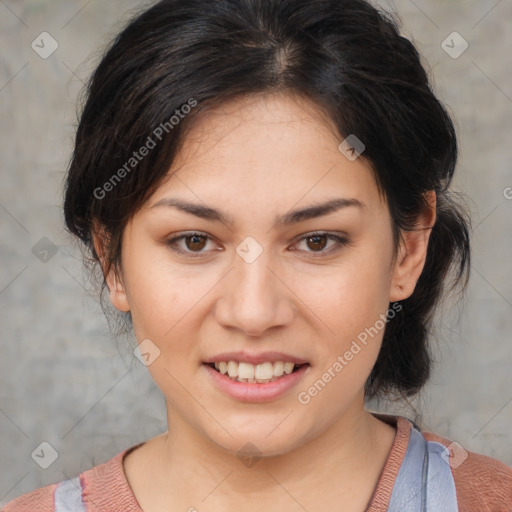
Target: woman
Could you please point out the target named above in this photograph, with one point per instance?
(265, 185)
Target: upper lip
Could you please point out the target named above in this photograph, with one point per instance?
(255, 358)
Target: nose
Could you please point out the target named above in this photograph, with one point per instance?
(255, 297)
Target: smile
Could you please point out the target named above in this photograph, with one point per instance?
(256, 390)
(259, 373)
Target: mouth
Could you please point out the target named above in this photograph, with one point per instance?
(255, 374)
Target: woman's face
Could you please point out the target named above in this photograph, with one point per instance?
(257, 281)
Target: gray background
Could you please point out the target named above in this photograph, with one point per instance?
(64, 378)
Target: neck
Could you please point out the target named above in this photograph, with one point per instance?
(192, 468)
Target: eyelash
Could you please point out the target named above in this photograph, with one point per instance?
(340, 242)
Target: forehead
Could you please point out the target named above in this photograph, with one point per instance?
(261, 152)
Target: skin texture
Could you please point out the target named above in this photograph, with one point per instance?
(254, 159)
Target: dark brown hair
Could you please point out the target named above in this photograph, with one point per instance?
(346, 56)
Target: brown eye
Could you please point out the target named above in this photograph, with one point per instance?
(318, 241)
(193, 246)
(197, 242)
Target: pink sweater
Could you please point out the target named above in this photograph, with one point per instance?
(482, 484)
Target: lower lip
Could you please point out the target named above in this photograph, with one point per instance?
(256, 392)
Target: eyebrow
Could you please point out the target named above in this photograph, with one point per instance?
(289, 218)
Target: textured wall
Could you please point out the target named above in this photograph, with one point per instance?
(63, 379)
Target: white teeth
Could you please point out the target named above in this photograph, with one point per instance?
(278, 368)
(264, 371)
(288, 367)
(232, 369)
(247, 372)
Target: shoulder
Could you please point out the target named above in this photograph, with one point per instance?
(40, 499)
(482, 483)
(105, 485)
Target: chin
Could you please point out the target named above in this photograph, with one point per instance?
(255, 444)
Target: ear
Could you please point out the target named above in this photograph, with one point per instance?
(115, 284)
(412, 253)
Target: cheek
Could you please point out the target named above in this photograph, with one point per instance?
(351, 296)
(159, 300)
(350, 305)
(167, 300)
(352, 308)
(156, 293)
